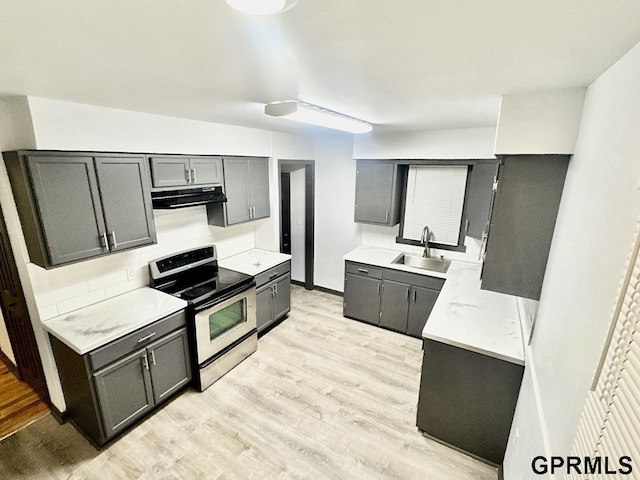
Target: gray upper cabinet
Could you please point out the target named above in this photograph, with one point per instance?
(523, 219)
(246, 185)
(378, 192)
(75, 206)
(171, 171)
(478, 201)
(124, 186)
(65, 190)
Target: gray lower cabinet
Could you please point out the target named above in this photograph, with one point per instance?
(170, 171)
(75, 206)
(523, 218)
(110, 388)
(468, 399)
(273, 295)
(378, 192)
(397, 300)
(246, 185)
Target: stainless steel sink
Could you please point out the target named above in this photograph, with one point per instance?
(433, 264)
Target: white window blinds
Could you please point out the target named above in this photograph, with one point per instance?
(610, 421)
(435, 198)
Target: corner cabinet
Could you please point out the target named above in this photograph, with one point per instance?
(478, 199)
(110, 388)
(246, 185)
(526, 199)
(75, 206)
(392, 299)
(273, 295)
(378, 192)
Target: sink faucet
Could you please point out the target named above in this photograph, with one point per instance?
(424, 240)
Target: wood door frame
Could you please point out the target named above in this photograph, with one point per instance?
(309, 226)
(22, 337)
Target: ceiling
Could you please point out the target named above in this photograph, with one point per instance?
(410, 64)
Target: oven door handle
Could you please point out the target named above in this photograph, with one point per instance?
(227, 296)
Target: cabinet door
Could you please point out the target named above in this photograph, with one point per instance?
(479, 198)
(236, 172)
(362, 298)
(206, 170)
(126, 199)
(124, 392)
(522, 223)
(282, 297)
(68, 199)
(170, 364)
(259, 187)
(264, 304)
(170, 171)
(421, 303)
(374, 192)
(394, 305)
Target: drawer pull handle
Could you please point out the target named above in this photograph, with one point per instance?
(153, 357)
(273, 275)
(146, 362)
(363, 270)
(146, 337)
(415, 296)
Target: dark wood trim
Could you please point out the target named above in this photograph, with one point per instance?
(10, 365)
(309, 230)
(436, 439)
(61, 417)
(297, 283)
(500, 472)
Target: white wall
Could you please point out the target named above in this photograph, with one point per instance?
(335, 231)
(593, 234)
(67, 126)
(432, 144)
(540, 122)
(298, 216)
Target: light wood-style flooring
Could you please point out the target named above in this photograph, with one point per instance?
(324, 397)
(19, 404)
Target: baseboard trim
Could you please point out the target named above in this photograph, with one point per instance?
(61, 417)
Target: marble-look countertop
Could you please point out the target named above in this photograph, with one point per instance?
(382, 257)
(477, 320)
(91, 327)
(253, 262)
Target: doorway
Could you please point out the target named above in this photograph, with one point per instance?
(297, 210)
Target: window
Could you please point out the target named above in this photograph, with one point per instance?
(435, 198)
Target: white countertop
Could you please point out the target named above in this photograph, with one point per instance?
(464, 316)
(382, 257)
(477, 320)
(91, 327)
(253, 262)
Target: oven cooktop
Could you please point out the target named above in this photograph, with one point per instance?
(205, 283)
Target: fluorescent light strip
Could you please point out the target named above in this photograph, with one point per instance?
(306, 113)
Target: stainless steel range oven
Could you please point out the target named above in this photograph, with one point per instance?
(222, 309)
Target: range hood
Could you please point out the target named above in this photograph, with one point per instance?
(187, 197)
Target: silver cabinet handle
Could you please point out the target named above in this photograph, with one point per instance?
(276, 285)
(146, 362)
(363, 270)
(153, 357)
(146, 337)
(483, 245)
(415, 296)
(273, 290)
(105, 241)
(378, 289)
(466, 225)
(407, 294)
(253, 212)
(193, 175)
(386, 217)
(187, 173)
(250, 212)
(273, 275)
(114, 242)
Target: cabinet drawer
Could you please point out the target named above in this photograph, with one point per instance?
(273, 273)
(140, 338)
(364, 270)
(425, 281)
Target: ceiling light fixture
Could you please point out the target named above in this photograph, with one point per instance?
(306, 113)
(261, 7)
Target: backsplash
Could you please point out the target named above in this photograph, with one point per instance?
(68, 288)
(385, 237)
